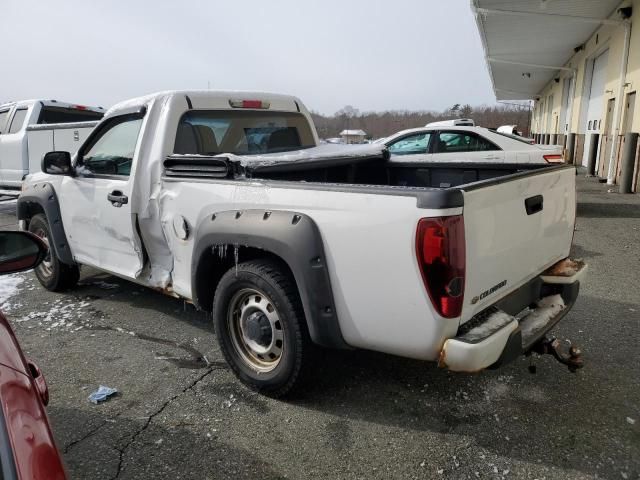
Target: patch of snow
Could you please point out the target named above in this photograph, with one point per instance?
(492, 324)
(631, 421)
(63, 314)
(9, 287)
(320, 153)
(547, 309)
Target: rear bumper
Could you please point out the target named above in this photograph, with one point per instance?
(498, 338)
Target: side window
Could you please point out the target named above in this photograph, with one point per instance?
(18, 120)
(454, 142)
(111, 152)
(410, 145)
(4, 116)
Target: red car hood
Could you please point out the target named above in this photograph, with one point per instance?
(10, 353)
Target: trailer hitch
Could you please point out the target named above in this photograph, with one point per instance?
(571, 357)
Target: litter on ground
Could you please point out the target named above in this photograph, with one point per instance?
(102, 394)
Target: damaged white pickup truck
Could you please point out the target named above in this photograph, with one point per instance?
(224, 199)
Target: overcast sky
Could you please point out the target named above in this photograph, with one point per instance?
(372, 54)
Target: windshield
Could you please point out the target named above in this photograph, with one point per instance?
(242, 132)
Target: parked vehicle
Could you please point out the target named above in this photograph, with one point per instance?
(27, 447)
(31, 128)
(467, 144)
(300, 244)
(509, 129)
(456, 122)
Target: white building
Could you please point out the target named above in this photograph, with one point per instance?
(353, 136)
(579, 61)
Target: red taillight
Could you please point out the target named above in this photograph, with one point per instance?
(249, 104)
(79, 107)
(440, 250)
(554, 158)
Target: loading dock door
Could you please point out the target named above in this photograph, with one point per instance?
(594, 103)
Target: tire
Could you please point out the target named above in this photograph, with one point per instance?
(52, 273)
(261, 327)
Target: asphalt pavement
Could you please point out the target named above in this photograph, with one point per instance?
(180, 413)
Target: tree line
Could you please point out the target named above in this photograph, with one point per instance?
(383, 124)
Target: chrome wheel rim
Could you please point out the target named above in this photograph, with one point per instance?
(46, 267)
(255, 329)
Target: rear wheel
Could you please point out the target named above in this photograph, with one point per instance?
(52, 273)
(260, 326)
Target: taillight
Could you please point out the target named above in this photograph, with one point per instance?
(440, 249)
(554, 158)
(249, 104)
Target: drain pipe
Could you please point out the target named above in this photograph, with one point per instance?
(617, 111)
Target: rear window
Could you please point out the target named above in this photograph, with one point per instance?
(66, 115)
(18, 120)
(513, 137)
(242, 132)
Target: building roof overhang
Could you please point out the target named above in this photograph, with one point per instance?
(527, 42)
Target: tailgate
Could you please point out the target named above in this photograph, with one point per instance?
(515, 227)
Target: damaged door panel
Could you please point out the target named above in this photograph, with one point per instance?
(96, 206)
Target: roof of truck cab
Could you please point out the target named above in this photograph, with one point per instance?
(194, 95)
(50, 103)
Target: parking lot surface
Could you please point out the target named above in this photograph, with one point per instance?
(180, 413)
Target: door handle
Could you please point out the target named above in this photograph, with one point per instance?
(491, 157)
(117, 198)
(534, 204)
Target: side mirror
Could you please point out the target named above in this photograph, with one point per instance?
(20, 251)
(57, 163)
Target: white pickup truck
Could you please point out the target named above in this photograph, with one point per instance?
(225, 200)
(31, 128)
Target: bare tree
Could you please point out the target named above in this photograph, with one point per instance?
(466, 111)
(383, 124)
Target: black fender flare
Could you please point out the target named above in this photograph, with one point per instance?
(44, 195)
(293, 237)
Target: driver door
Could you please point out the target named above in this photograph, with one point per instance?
(96, 203)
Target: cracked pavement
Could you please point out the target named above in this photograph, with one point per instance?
(180, 413)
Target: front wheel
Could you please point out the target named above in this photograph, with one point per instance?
(260, 326)
(52, 273)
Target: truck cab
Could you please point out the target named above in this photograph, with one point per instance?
(57, 124)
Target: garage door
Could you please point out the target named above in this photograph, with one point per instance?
(594, 102)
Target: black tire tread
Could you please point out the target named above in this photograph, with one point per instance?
(65, 276)
(274, 272)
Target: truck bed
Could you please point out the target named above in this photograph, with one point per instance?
(507, 243)
(365, 166)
